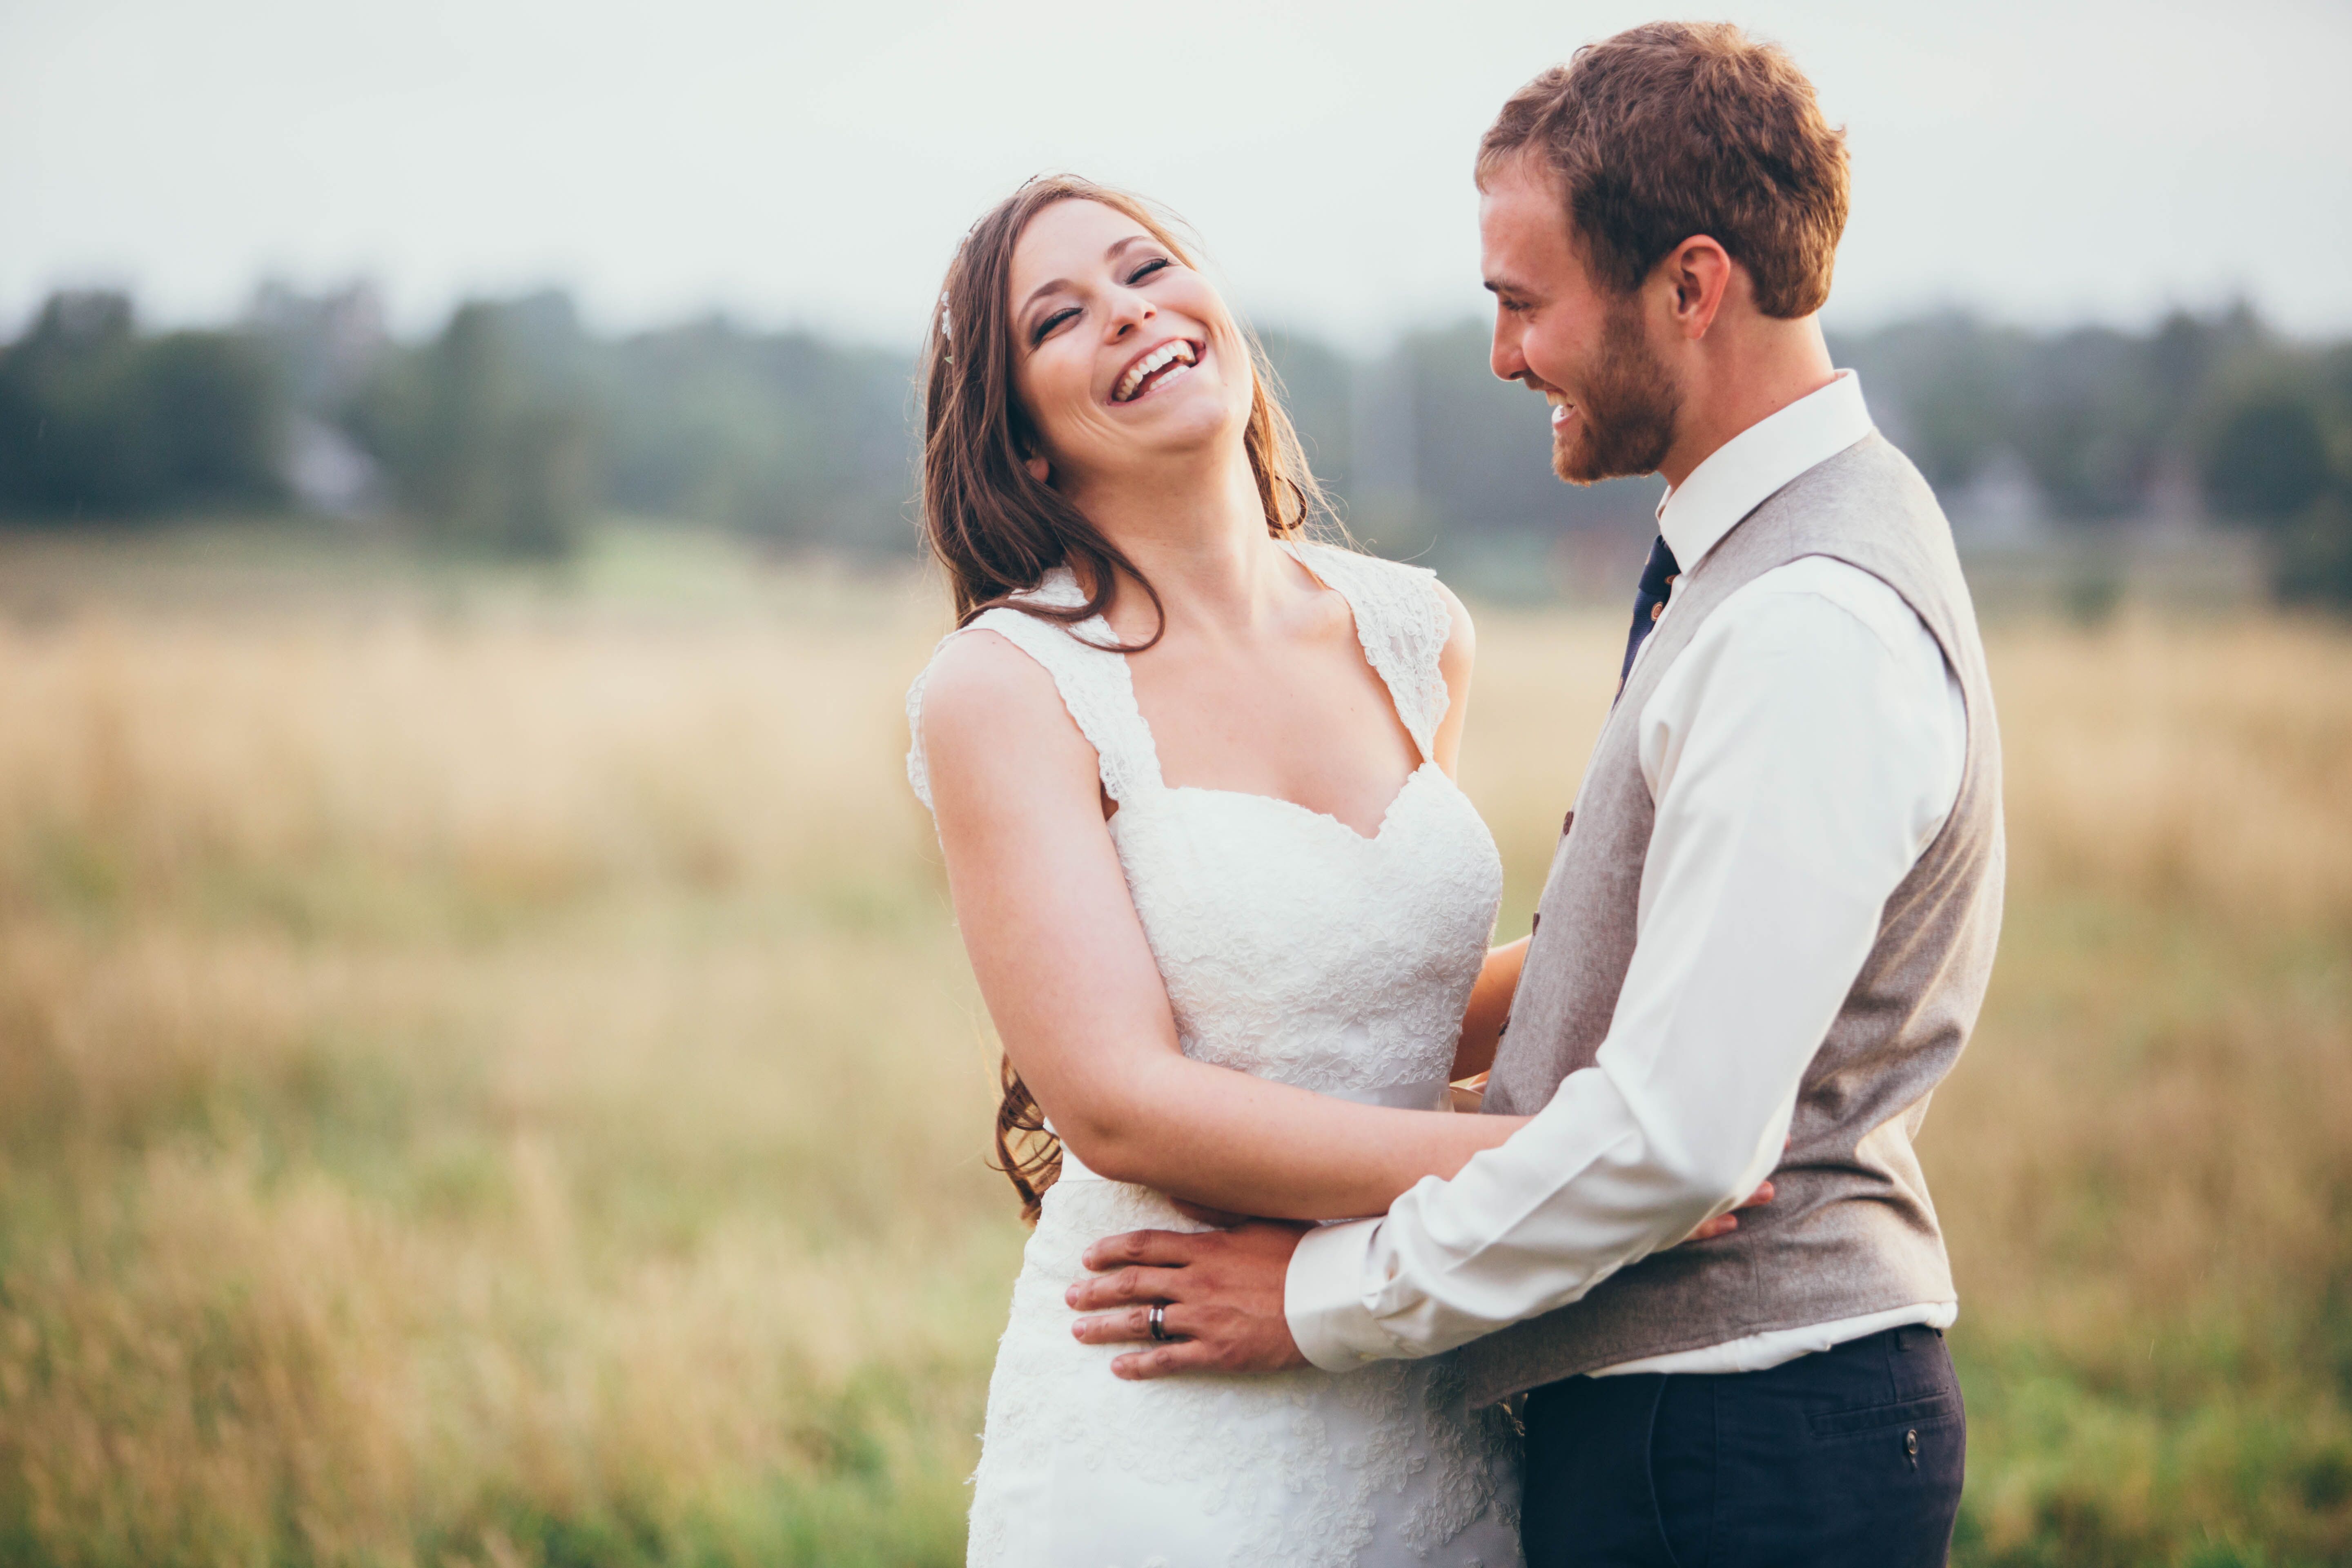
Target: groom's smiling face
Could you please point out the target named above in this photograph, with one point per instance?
(1585, 347)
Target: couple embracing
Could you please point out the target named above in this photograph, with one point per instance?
(1677, 1295)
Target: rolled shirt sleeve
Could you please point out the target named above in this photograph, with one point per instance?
(1803, 751)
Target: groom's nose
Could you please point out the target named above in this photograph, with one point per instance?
(1504, 359)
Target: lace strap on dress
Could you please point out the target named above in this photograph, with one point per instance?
(1403, 623)
(1094, 683)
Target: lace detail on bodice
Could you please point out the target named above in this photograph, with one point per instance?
(1293, 947)
(1298, 950)
(1403, 623)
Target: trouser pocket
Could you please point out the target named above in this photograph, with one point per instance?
(1848, 1458)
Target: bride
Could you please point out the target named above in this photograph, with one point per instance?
(1193, 777)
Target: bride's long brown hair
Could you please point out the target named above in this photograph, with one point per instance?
(997, 530)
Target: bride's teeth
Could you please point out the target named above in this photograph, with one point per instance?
(1156, 359)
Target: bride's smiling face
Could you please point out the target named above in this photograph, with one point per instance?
(1124, 355)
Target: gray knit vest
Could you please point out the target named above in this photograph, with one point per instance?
(1852, 1230)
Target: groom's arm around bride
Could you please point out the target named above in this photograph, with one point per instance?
(1771, 918)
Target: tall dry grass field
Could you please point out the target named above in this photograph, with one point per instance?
(495, 1083)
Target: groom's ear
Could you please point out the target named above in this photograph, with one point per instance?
(1702, 275)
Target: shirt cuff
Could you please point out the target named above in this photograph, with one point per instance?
(1323, 1299)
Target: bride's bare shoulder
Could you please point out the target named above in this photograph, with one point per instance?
(983, 699)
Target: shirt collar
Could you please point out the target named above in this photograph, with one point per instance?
(1737, 476)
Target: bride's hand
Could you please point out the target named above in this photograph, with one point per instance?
(1725, 1224)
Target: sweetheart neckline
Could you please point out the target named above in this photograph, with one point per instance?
(1377, 834)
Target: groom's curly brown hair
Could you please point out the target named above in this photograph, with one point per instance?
(1675, 129)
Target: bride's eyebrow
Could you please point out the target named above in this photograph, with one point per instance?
(1039, 292)
(1051, 284)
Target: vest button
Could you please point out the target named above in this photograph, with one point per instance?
(1657, 609)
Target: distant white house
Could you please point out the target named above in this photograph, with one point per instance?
(328, 471)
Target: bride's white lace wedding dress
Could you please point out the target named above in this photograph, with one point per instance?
(1296, 949)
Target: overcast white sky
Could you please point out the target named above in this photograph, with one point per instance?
(793, 162)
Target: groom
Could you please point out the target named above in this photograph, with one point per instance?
(1770, 917)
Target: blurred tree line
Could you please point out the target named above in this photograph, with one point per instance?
(508, 431)
(99, 419)
(513, 427)
(2215, 415)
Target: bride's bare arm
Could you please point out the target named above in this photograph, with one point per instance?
(1499, 980)
(1078, 1002)
(1490, 1005)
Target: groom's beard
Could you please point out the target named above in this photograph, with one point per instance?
(1625, 421)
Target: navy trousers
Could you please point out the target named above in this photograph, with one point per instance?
(1851, 1458)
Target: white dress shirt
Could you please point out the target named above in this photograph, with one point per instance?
(1803, 751)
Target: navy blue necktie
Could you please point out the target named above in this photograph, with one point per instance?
(1649, 602)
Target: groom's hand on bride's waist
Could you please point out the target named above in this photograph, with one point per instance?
(1220, 1294)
